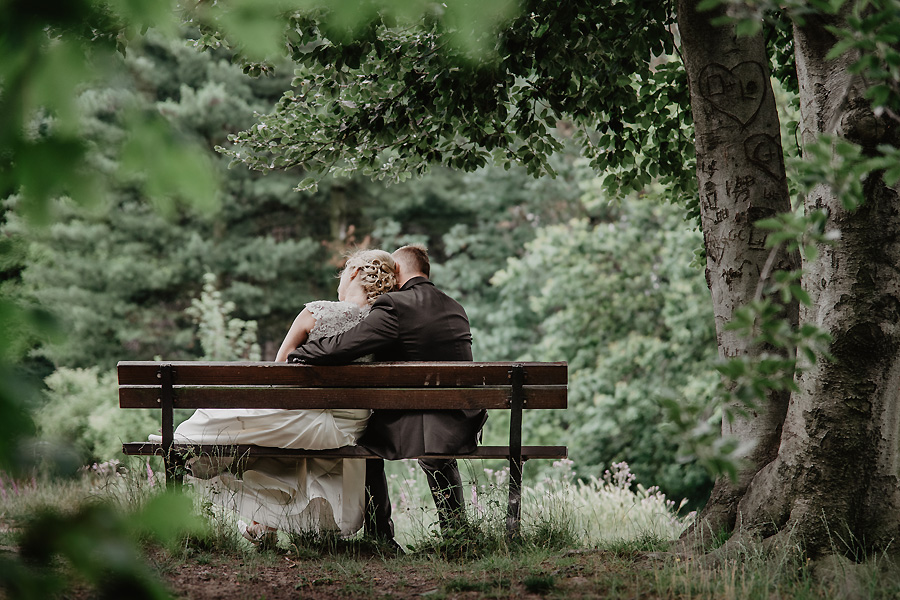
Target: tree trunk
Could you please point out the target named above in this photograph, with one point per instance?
(835, 477)
(338, 207)
(740, 169)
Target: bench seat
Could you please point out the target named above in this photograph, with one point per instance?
(512, 386)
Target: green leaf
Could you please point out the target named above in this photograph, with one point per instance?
(706, 5)
(167, 517)
(748, 27)
(801, 295)
(54, 84)
(257, 26)
(771, 224)
(16, 423)
(172, 171)
(892, 175)
(308, 184)
(839, 48)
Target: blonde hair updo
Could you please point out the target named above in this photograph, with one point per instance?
(377, 272)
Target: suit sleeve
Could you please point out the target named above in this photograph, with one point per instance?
(379, 329)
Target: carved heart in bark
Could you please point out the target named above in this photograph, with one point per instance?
(737, 92)
(765, 152)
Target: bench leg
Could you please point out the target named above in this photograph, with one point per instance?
(516, 404)
(514, 509)
(174, 463)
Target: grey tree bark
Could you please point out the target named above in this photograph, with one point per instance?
(825, 461)
(740, 170)
(835, 476)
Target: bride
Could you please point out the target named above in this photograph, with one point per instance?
(296, 494)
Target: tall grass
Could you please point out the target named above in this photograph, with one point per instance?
(613, 508)
(20, 497)
(559, 510)
(754, 571)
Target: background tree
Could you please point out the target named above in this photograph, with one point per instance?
(50, 56)
(616, 296)
(119, 275)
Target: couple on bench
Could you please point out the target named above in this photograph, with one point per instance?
(389, 309)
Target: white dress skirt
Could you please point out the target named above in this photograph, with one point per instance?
(288, 494)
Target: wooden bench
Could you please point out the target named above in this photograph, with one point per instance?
(511, 386)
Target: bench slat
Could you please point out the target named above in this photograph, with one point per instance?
(502, 452)
(369, 375)
(379, 398)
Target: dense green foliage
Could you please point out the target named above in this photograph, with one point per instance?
(81, 409)
(635, 326)
(399, 96)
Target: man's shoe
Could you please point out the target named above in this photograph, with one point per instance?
(384, 545)
(390, 547)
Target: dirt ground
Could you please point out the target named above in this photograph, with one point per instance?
(567, 574)
(206, 572)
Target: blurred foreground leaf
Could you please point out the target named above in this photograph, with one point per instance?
(166, 518)
(101, 544)
(15, 423)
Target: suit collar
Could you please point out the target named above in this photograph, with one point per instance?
(414, 282)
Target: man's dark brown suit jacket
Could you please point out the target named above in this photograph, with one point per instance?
(417, 323)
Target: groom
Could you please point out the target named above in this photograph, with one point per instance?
(416, 323)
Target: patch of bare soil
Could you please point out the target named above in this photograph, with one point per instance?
(574, 574)
(208, 574)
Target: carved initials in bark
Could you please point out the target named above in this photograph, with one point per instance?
(765, 152)
(736, 124)
(709, 167)
(740, 189)
(715, 249)
(736, 92)
(757, 235)
(710, 197)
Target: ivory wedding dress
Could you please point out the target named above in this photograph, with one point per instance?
(290, 495)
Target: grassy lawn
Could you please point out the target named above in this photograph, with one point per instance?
(604, 539)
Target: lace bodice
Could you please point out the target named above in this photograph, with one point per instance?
(333, 318)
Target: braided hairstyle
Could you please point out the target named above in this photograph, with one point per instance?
(377, 272)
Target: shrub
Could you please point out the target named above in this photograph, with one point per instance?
(82, 409)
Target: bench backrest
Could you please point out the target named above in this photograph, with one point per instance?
(406, 385)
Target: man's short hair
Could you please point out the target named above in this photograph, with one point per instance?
(416, 257)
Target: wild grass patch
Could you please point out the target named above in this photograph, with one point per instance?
(559, 511)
